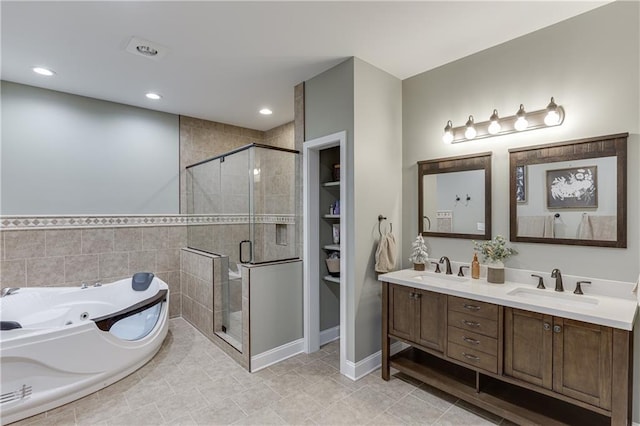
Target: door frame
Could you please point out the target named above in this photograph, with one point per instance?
(311, 248)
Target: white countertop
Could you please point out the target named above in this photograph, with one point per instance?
(616, 312)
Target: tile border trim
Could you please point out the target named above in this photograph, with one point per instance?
(20, 223)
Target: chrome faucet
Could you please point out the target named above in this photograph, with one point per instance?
(447, 263)
(9, 291)
(558, 276)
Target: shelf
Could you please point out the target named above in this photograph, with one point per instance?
(330, 184)
(334, 247)
(331, 216)
(512, 402)
(331, 279)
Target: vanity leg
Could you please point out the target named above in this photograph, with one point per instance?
(622, 377)
(386, 342)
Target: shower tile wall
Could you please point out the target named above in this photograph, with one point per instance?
(199, 140)
(68, 257)
(201, 278)
(202, 139)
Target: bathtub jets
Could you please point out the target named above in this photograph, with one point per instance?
(58, 344)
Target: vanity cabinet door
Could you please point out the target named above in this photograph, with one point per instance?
(417, 316)
(402, 314)
(582, 361)
(528, 347)
(570, 357)
(433, 307)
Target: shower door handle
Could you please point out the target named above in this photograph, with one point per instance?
(240, 251)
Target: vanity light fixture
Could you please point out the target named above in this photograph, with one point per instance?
(552, 115)
(521, 120)
(43, 71)
(470, 132)
(494, 126)
(448, 133)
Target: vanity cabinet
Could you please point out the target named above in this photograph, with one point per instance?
(418, 316)
(528, 367)
(472, 332)
(573, 358)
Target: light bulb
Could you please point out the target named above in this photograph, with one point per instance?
(153, 96)
(447, 137)
(521, 123)
(470, 132)
(552, 118)
(494, 127)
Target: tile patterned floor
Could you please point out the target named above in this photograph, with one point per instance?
(192, 382)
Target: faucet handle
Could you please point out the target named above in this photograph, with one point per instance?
(437, 270)
(460, 272)
(578, 289)
(540, 281)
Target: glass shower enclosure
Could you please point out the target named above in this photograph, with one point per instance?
(243, 207)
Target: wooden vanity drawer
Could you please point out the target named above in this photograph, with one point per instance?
(484, 326)
(473, 357)
(473, 307)
(472, 340)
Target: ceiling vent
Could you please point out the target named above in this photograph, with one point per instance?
(145, 48)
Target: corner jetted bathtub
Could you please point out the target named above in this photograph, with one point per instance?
(59, 344)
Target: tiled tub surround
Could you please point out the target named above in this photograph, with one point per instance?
(68, 257)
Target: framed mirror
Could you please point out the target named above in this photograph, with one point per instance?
(572, 192)
(454, 197)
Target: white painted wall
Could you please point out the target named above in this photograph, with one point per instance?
(65, 154)
(366, 102)
(590, 63)
(377, 190)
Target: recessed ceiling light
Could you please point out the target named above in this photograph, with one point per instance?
(153, 96)
(147, 50)
(266, 111)
(43, 71)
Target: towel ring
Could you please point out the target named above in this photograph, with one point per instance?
(380, 219)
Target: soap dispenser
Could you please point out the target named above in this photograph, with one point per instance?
(475, 267)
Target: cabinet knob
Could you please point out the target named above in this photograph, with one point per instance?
(557, 328)
(471, 323)
(471, 307)
(547, 326)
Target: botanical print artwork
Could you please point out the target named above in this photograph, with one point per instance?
(572, 188)
(521, 189)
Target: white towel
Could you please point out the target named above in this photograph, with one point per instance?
(585, 232)
(604, 227)
(549, 223)
(531, 226)
(386, 253)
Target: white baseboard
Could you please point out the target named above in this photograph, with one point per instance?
(358, 370)
(329, 335)
(272, 356)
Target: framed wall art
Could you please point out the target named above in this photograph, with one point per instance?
(572, 188)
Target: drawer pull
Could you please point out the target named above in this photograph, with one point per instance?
(470, 340)
(471, 307)
(471, 357)
(471, 323)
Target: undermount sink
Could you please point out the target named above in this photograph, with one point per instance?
(427, 275)
(546, 296)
